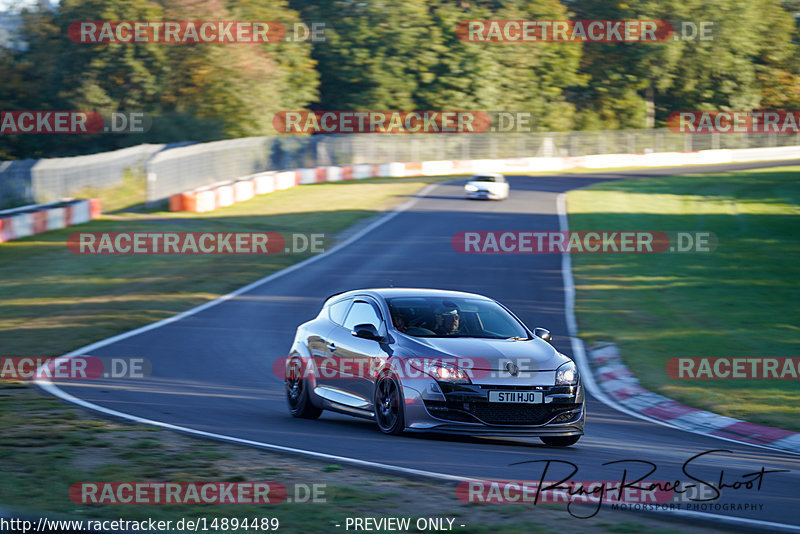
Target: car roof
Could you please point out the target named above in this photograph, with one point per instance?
(392, 292)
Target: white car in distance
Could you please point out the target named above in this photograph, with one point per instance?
(492, 186)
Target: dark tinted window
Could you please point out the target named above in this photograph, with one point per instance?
(337, 310)
(453, 317)
(500, 179)
(362, 313)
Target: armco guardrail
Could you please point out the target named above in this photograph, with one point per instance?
(56, 178)
(30, 220)
(45, 180)
(179, 170)
(16, 183)
(172, 170)
(227, 193)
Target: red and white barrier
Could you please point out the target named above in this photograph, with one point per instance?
(31, 220)
(56, 218)
(333, 174)
(362, 171)
(221, 195)
(225, 196)
(264, 183)
(286, 179)
(244, 190)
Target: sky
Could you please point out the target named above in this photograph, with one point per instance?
(16, 5)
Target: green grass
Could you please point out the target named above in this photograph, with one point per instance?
(46, 446)
(332, 468)
(738, 301)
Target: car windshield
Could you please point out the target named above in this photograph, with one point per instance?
(454, 317)
(484, 179)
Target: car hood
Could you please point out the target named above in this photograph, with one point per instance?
(488, 354)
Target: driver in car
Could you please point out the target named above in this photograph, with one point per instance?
(400, 320)
(447, 322)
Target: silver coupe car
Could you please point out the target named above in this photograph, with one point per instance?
(423, 360)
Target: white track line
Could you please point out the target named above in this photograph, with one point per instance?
(580, 353)
(577, 346)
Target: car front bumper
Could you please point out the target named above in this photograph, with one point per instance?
(484, 194)
(466, 410)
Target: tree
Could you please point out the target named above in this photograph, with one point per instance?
(408, 56)
(195, 92)
(633, 83)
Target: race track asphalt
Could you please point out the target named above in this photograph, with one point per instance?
(212, 370)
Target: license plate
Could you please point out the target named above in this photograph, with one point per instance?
(518, 397)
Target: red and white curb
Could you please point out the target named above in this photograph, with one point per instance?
(34, 219)
(619, 383)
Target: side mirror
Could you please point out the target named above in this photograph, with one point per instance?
(543, 333)
(366, 331)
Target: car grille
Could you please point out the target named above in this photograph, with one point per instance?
(501, 414)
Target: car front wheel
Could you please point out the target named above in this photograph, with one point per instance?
(297, 392)
(389, 413)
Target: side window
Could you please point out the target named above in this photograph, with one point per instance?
(361, 313)
(337, 310)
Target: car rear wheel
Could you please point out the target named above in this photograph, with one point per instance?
(560, 441)
(297, 392)
(389, 412)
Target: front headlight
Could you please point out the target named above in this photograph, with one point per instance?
(567, 374)
(470, 187)
(441, 371)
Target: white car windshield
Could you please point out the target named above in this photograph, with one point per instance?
(454, 317)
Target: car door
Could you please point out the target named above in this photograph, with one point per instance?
(324, 351)
(358, 356)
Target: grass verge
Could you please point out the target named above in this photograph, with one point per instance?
(47, 446)
(55, 301)
(738, 301)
